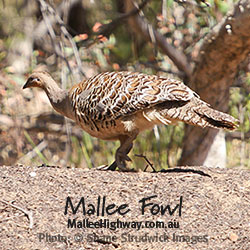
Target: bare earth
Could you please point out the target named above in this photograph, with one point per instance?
(209, 212)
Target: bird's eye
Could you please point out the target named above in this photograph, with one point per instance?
(34, 79)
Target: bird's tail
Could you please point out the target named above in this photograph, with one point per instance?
(216, 119)
(199, 113)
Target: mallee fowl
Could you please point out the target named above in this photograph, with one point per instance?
(120, 105)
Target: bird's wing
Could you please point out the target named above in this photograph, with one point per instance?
(110, 95)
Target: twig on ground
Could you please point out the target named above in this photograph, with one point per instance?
(28, 213)
(99, 240)
(184, 170)
(146, 159)
(10, 218)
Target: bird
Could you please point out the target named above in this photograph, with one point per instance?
(120, 105)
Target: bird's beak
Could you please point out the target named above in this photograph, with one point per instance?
(27, 84)
(31, 82)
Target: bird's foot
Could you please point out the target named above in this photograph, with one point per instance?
(121, 156)
(103, 167)
(120, 159)
(120, 162)
(113, 167)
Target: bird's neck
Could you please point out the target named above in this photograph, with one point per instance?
(60, 100)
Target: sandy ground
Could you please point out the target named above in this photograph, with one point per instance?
(176, 210)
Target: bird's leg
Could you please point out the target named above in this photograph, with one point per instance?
(114, 165)
(121, 155)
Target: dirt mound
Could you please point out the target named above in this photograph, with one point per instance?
(62, 208)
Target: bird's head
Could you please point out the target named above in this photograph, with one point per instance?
(38, 79)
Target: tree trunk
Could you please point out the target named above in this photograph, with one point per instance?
(225, 47)
(223, 50)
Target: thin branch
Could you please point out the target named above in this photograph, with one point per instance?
(52, 33)
(107, 29)
(28, 213)
(159, 69)
(66, 122)
(100, 240)
(46, 7)
(139, 24)
(35, 151)
(146, 159)
(184, 170)
(10, 218)
(170, 146)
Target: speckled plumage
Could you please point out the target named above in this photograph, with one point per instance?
(119, 105)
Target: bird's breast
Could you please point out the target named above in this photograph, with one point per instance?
(113, 129)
